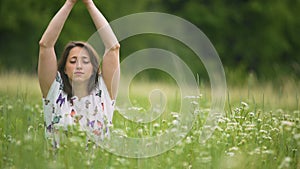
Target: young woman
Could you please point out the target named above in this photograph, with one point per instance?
(76, 91)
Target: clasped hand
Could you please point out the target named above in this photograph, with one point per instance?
(84, 1)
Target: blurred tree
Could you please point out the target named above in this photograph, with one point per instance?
(249, 35)
(253, 36)
(20, 29)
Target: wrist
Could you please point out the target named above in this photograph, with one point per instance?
(70, 2)
(88, 3)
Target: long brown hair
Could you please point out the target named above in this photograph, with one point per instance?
(94, 58)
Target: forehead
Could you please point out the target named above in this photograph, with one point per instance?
(78, 52)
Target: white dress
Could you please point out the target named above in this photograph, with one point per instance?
(92, 113)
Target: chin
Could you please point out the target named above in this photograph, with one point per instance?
(79, 80)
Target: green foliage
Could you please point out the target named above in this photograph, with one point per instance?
(254, 36)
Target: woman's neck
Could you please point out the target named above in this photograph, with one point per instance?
(80, 90)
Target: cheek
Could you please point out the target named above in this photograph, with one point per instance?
(90, 68)
(69, 68)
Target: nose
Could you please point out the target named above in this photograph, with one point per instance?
(78, 64)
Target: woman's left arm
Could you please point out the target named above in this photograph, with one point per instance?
(111, 64)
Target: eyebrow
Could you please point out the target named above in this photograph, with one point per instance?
(75, 56)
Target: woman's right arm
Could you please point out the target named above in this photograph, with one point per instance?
(47, 66)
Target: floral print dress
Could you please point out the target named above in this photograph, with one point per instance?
(92, 113)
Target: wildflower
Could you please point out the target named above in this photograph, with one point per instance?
(122, 160)
(250, 127)
(9, 107)
(251, 114)
(193, 97)
(140, 131)
(135, 108)
(219, 129)
(243, 141)
(287, 123)
(220, 120)
(194, 103)
(174, 130)
(29, 128)
(139, 120)
(156, 125)
(188, 140)
(197, 112)
(275, 129)
(185, 164)
(205, 159)
(233, 149)
(238, 117)
(255, 151)
(18, 142)
(245, 105)
(268, 152)
(119, 132)
(184, 128)
(175, 115)
(230, 154)
(88, 163)
(263, 131)
(160, 133)
(175, 122)
(285, 163)
(297, 136)
(127, 128)
(267, 138)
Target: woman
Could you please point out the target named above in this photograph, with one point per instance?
(75, 91)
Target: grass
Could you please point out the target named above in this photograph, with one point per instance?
(260, 129)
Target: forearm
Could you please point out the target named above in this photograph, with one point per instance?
(110, 64)
(55, 26)
(108, 37)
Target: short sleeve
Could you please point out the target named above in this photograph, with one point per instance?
(108, 102)
(48, 102)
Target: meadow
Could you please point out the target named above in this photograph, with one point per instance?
(260, 128)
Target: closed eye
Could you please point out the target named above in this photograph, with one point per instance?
(73, 60)
(86, 60)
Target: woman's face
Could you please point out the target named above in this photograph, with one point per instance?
(78, 66)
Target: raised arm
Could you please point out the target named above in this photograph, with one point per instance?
(110, 65)
(47, 66)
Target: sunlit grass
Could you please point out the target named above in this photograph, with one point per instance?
(258, 130)
(22, 85)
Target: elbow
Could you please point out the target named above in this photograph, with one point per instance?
(113, 50)
(115, 47)
(44, 44)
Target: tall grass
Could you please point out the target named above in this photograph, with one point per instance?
(20, 85)
(255, 132)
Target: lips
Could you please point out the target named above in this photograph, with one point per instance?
(78, 73)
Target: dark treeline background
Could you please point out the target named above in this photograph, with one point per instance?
(261, 37)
